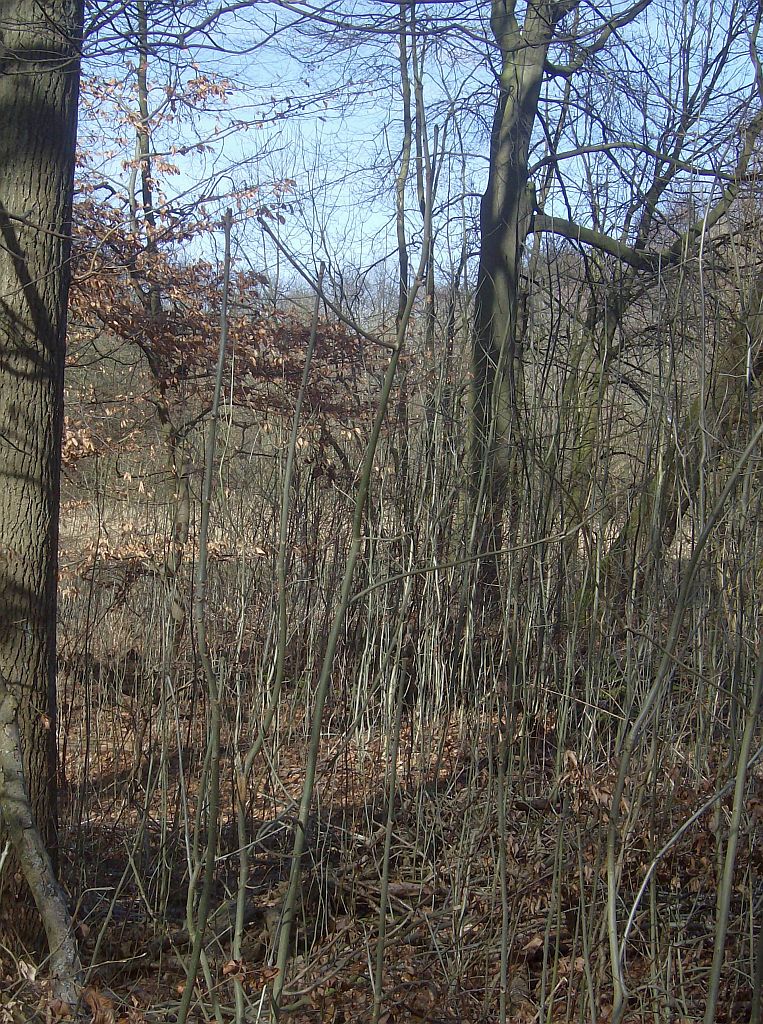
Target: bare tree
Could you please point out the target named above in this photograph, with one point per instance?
(595, 143)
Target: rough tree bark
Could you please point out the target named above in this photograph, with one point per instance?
(39, 74)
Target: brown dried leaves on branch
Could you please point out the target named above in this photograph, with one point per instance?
(119, 272)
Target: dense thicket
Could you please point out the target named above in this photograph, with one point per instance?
(409, 587)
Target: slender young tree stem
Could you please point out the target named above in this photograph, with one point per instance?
(345, 595)
(212, 794)
(272, 707)
(727, 882)
(649, 707)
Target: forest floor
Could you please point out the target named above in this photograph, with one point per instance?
(455, 891)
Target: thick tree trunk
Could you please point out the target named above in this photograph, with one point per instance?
(505, 220)
(39, 71)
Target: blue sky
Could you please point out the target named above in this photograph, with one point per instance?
(325, 115)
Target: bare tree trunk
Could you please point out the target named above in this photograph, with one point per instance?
(150, 295)
(505, 220)
(39, 72)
